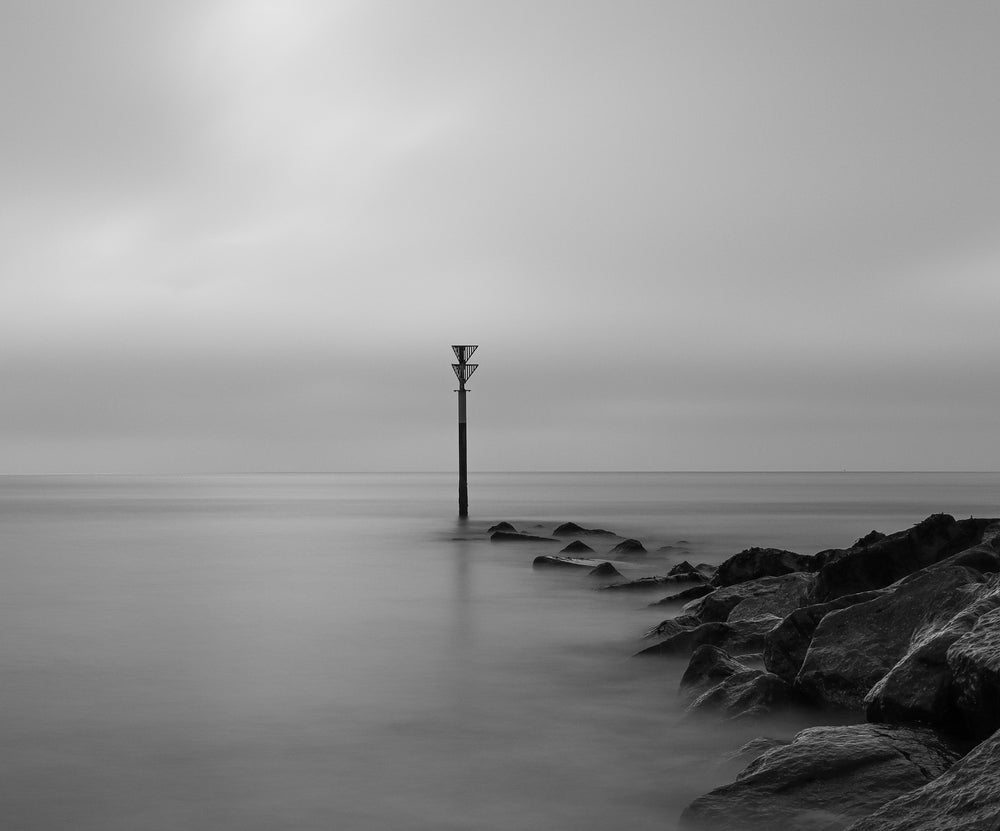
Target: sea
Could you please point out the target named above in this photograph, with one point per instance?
(340, 651)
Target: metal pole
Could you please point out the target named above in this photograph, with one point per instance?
(463, 460)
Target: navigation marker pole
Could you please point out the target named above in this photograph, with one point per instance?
(463, 371)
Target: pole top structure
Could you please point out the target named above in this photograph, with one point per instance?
(463, 369)
(464, 351)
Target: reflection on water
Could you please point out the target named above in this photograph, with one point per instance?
(334, 651)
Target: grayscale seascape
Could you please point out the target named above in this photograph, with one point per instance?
(336, 651)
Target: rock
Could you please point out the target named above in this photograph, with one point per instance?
(963, 798)
(577, 547)
(649, 583)
(550, 561)
(825, 779)
(669, 627)
(760, 562)
(684, 596)
(922, 688)
(605, 570)
(748, 694)
(571, 529)
(501, 526)
(506, 536)
(766, 595)
(708, 666)
(684, 567)
(739, 636)
(629, 547)
(672, 549)
(854, 647)
(786, 645)
(974, 660)
(887, 560)
(755, 748)
(707, 569)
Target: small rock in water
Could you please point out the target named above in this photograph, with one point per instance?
(629, 547)
(549, 561)
(506, 536)
(501, 526)
(577, 547)
(605, 570)
(571, 529)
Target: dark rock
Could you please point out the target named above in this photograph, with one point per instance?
(754, 748)
(974, 660)
(707, 569)
(669, 627)
(825, 779)
(550, 561)
(605, 570)
(760, 562)
(853, 648)
(684, 567)
(506, 536)
(571, 529)
(577, 547)
(629, 547)
(708, 666)
(682, 542)
(650, 583)
(739, 636)
(501, 526)
(922, 688)
(963, 798)
(672, 549)
(766, 595)
(889, 559)
(692, 593)
(786, 645)
(748, 694)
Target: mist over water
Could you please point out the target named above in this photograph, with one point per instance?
(338, 651)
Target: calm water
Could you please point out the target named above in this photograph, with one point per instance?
(336, 651)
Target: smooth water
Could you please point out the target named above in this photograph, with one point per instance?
(338, 651)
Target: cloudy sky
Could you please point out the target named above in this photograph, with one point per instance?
(687, 235)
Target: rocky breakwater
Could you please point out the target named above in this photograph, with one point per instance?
(901, 631)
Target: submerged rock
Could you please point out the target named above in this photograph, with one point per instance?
(551, 561)
(760, 562)
(736, 637)
(506, 536)
(963, 798)
(686, 595)
(571, 529)
(825, 779)
(501, 526)
(577, 547)
(629, 547)
(657, 582)
(605, 569)
(747, 694)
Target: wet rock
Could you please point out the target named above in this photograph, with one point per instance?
(651, 583)
(786, 645)
(754, 748)
(506, 536)
(501, 526)
(571, 529)
(751, 693)
(685, 596)
(887, 560)
(551, 561)
(577, 547)
(606, 570)
(629, 547)
(708, 667)
(825, 779)
(672, 549)
(669, 627)
(766, 595)
(853, 648)
(922, 688)
(684, 567)
(737, 637)
(753, 563)
(963, 798)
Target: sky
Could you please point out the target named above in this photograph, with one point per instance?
(243, 235)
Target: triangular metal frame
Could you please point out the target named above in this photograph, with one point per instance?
(464, 371)
(464, 351)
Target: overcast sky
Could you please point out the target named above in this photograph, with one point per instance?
(686, 235)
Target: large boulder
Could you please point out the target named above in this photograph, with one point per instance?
(825, 779)
(786, 645)
(739, 637)
(657, 582)
(963, 798)
(746, 694)
(765, 595)
(708, 666)
(886, 560)
(760, 562)
(854, 647)
(923, 687)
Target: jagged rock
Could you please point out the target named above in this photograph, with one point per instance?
(766, 595)
(506, 536)
(551, 561)
(571, 529)
(707, 569)
(739, 636)
(963, 798)
(760, 562)
(750, 693)
(605, 570)
(501, 526)
(786, 645)
(889, 559)
(629, 547)
(708, 666)
(692, 593)
(921, 687)
(974, 660)
(825, 779)
(854, 647)
(684, 567)
(577, 547)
